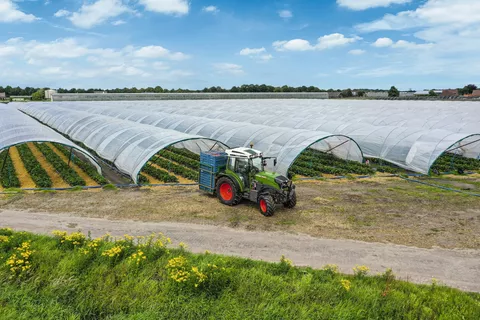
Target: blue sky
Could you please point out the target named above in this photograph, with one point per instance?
(193, 44)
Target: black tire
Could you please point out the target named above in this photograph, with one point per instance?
(292, 202)
(266, 205)
(227, 192)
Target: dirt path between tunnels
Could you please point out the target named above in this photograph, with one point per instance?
(455, 268)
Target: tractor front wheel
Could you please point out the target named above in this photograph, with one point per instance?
(227, 192)
(267, 205)
(292, 201)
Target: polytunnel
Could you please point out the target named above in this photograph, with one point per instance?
(17, 128)
(129, 146)
(410, 147)
(283, 143)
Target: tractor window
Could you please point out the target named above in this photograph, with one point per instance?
(242, 165)
(231, 164)
(257, 163)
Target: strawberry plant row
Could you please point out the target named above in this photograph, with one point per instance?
(34, 168)
(176, 169)
(184, 152)
(68, 174)
(143, 180)
(159, 174)
(187, 162)
(90, 170)
(8, 176)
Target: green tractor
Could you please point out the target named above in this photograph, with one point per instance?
(239, 173)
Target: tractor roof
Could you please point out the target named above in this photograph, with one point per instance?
(243, 153)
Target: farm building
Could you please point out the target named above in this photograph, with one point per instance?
(405, 94)
(185, 96)
(49, 93)
(20, 98)
(3, 96)
(377, 94)
(449, 93)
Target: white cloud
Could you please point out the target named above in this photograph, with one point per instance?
(383, 42)
(62, 13)
(175, 7)
(9, 12)
(155, 52)
(335, 40)
(368, 4)
(97, 13)
(265, 57)
(7, 51)
(229, 68)
(323, 43)
(356, 52)
(456, 13)
(127, 70)
(293, 45)
(248, 51)
(57, 71)
(118, 22)
(285, 14)
(210, 9)
(59, 49)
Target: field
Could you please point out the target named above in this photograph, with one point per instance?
(71, 276)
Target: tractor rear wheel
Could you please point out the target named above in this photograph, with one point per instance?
(267, 205)
(292, 201)
(227, 192)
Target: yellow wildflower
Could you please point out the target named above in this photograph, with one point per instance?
(361, 270)
(331, 267)
(346, 284)
(4, 239)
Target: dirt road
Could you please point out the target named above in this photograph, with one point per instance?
(455, 268)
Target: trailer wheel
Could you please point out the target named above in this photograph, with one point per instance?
(227, 192)
(266, 205)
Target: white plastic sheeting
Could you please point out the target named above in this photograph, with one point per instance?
(126, 144)
(410, 134)
(283, 143)
(17, 128)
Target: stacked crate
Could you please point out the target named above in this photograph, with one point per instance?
(211, 163)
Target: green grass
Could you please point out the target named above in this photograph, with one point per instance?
(65, 283)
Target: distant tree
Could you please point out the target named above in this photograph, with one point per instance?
(393, 92)
(347, 93)
(38, 95)
(432, 93)
(468, 89)
(361, 93)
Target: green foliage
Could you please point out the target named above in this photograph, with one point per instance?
(83, 278)
(143, 180)
(393, 92)
(36, 171)
(68, 174)
(313, 163)
(8, 176)
(432, 93)
(180, 159)
(38, 95)
(110, 187)
(450, 162)
(468, 89)
(89, 169)
(159, 174)
(176, 169)
(184, 152)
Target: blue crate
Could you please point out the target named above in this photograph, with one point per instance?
(211, 163)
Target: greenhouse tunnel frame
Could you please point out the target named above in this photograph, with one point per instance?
(452, 147)
(138, 172)
(348, 139)
(93, 161)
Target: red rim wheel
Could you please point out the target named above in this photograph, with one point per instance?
(226, 191)
(263, 205)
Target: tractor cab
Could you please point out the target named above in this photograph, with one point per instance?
(240, 173)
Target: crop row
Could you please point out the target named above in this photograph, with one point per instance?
(89, 169)
(313, 158)
(450, 162)
(159, 174)
(294, 169)
(68, 174)
(143, 180)
(180, 159)
(34, 168)
(8, 175)
(176, 169)
(184, 152)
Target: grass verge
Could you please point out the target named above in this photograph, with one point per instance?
(71, 276)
